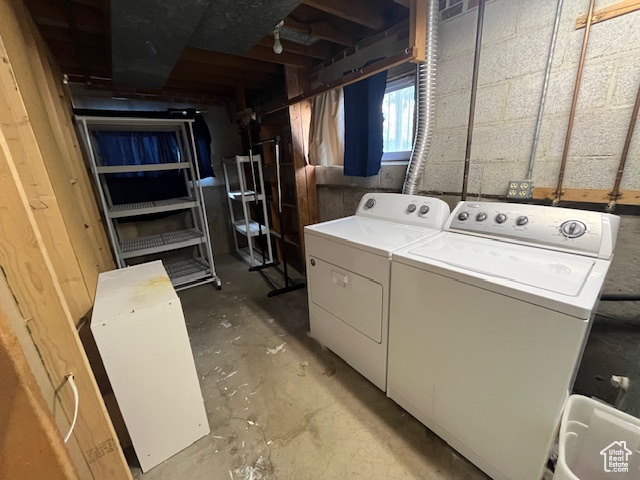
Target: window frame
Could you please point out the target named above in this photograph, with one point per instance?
(405, 81)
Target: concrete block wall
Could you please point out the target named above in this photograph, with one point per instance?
(516, 39)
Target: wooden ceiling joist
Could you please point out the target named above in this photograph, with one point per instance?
(320, 50)
(224, 60)
(260, 52)
(367, 13)
(321, 29)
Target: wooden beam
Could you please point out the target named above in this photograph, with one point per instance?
(377, 67)
(33, 282)
(418, 29)
(321, 29)
(19, 325)
(58, 104)
(609, 12)
(587, 195)
(31, 445)
(305, 175)
(42, 198)
(78, 256)
(223, 60)
(260, 52)
(363, 12)
(321, 50)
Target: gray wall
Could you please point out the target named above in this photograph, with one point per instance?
(225, 141)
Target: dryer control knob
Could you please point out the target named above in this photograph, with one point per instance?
(573, 228)
(424, 209)
(501, 218)
(481, 217)
(462, 216)
(411, 208)
(370, 203)
(522, 221)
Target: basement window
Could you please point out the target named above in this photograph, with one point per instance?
(398, 108)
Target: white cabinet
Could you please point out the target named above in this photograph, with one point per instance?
(139, 328)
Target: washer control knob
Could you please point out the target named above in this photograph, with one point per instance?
(462, 216)
(573, 228)
(501, 218)
(481, 217)
(370, 203)
(424, 209)
(522, 221)
(411, 208)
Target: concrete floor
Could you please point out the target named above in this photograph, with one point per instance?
(281, 407)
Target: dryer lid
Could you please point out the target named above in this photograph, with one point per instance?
(378, 236)
(544, 269)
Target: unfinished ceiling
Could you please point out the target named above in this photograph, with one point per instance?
(202, 45)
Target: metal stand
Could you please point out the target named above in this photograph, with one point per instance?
(289, 284)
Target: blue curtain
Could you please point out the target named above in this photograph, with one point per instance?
(363, 126)
(136, 148)
(140, 148)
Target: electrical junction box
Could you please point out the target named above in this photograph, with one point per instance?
(519, 189)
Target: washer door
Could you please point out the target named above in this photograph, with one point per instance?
(354, 299)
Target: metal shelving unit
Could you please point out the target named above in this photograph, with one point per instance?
(239, 192)
(184, 273)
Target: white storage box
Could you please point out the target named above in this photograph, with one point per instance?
(597, 442)
(139, 328)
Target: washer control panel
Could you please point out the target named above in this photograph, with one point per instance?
(579, 231)
(406, 209)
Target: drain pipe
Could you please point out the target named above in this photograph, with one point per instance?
(425, 105)
(545, 87)
(574, 104)
(472, 105)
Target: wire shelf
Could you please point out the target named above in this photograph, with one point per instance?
(161, 242)
(156, 206)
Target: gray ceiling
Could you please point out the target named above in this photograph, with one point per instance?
(148, 36)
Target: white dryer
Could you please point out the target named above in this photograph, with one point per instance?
(348, 270)
(488, 322)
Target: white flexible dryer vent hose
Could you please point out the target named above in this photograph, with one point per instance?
(426, 103)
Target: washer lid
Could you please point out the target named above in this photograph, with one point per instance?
(377, 236)
(544, 269)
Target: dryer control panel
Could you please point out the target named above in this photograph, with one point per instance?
(564, 229)
(416, 210)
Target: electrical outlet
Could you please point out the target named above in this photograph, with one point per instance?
(519, 189)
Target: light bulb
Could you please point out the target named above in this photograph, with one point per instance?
(277, 46)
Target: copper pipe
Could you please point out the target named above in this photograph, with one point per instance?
(472, 105)
(574, 103)
(615, 193)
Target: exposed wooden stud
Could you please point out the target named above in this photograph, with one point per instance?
(418, 29)
(587, 195)
(305, 177)
(363, 12)
(19, 325)
(26, 264)
(23, 144)
(609, 12)
(32, 446)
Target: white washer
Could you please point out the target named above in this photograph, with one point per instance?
(348, 270)
(487, 326)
